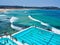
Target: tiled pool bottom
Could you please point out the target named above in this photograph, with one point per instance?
(6, 41)
(35, 36)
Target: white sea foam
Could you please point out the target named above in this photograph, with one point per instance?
(57, 31)
(38, 21)
(16, 27)
(13, 19)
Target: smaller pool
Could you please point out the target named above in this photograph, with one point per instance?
(6, 41)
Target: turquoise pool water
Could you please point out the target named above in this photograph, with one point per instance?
(6, 41)
(35, 36)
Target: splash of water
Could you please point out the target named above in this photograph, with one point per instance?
(13, 19)
(15, 27)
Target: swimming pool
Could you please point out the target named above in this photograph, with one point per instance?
(36, 36)
(6, 41)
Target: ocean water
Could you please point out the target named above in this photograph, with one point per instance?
(51, 17)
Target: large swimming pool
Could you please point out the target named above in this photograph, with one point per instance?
(6, 41)
(36, 36)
